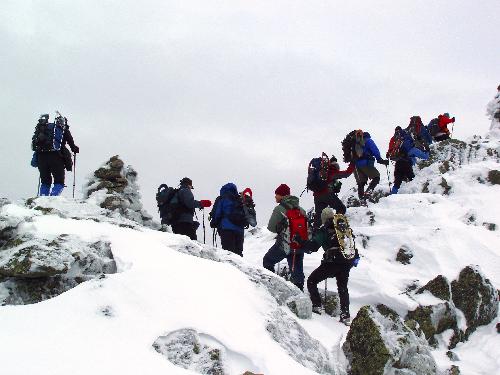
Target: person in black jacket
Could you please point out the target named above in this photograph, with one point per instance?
(333, 265)
(50, 159)
(184, 223)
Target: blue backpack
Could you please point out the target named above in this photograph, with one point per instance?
(317, 173)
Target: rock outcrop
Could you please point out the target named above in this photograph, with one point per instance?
(379, 342)
(114, 186)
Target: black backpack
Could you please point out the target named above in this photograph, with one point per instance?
(168, 204)
(48, 136)
(317, 173)
(352, 146)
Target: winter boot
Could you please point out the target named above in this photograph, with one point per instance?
(345, 318)
(57, 189)
(317, 310)
(44, 190)
(394, 189)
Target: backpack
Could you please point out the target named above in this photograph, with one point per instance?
(48, 136)
(353, 145)
(168, 204)
(297, 224)
(249, 207)
(345, 238)
(317, 173)
(415, 127)
(236, 216)
(395, 152)
(433, 127)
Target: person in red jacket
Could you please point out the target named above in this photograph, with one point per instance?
(328, 196)
(443, 132)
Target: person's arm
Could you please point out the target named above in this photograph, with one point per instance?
(275, 219)
(312, 245)
(186, 197)
(69, 140)
(345, 173)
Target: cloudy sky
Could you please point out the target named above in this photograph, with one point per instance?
(241, 91)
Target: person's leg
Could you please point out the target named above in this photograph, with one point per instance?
(45, 175)
(317, 276)
(274, 255)
(335, 203)
(320, 203)
(226, 239)
(374, 175)
(416, 152)
(239, 240)
(57, 170)
(185, 229)
(342, 276)
(398, 176)
(361, 180)
(296, 265)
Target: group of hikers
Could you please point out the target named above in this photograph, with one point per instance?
(297, 233)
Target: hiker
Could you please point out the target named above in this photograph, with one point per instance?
(50, 153)
(229, 218)
(328, 195)
(364, 152)
(335, 263)
(184, 223)
(420, 134)
(285, 219)
(400, 145)
(438, 127)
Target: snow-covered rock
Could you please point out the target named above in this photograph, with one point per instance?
(114, 187)
(493, 112)
(379, 342)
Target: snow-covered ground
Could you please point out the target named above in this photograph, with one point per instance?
(108, 325)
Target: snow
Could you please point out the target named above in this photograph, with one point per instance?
(109, 325)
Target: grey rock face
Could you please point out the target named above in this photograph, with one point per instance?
(298, 343)
(117, 190)
(301, 306)
(404, 255)
(380, 343)
(331, 302)
(474, 294)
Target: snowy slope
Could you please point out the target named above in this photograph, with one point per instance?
(109, 325)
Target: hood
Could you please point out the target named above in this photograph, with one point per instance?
(366, 135)
(290, 201)
(229, 188)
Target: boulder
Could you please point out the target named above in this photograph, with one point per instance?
(474, 294)
(404, 255)
(301, 306)
(439, 287)
(379, 342)
(494, 177)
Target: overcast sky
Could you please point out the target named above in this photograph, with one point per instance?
(240, 91)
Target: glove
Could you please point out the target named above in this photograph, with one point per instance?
(76, 149)
(205, 203)
(453, 119)
(355, 262)
(384, 162)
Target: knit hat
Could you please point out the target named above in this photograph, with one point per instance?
(282, 190)
(327, 214)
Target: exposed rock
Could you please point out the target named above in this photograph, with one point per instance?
(453, 370)
(114, 187)
(379, 342)
(494, 177)
(184, 349)
(404, 255)
(331, 303)
(298, 343)
(439, 287)
(434, 320)
(474, 294)
(301, 306)
(490, 226)
(445, 186)
(452, 356)
(498, 327)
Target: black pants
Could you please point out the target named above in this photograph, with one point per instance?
(323, 201)
(403, 171)
(442, 137)
(51, 164)
(232, 241)
(325, 271)
(186, 229)
(362, 175)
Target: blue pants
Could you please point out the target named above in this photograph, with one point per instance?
(416, 152)
(276, 254)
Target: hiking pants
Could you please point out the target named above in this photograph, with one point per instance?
(325, 271)
(276, 254)
(186, 229)
(51, 165)
(441, 137)
(232, 241)
(320, 203)
(403, 171)
(362, 174)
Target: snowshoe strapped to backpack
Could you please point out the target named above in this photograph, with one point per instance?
(343, 231)
(48, 136)
(353, 145)
(168, 204)
(317, 173)
(249, 207)
(296, 225)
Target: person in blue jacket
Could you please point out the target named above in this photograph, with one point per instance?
(365, 166)
(229, 219)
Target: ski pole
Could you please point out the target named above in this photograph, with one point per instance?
(74, 174)
(203, 225)
(388, 177)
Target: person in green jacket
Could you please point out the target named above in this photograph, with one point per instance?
(278, 223)
(333, 264)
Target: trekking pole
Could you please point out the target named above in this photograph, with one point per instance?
(203, 216)
(452, 126)
(300, 196)
(38, 191)
(74, 174)
(326, 288)
(388, 177)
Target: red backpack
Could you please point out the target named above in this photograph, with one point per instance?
(297, 224)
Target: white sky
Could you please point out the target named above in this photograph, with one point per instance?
(240, 91)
